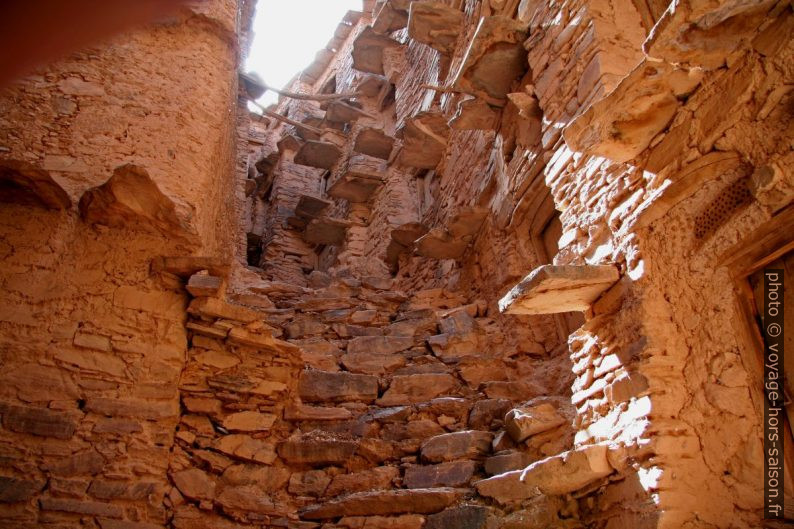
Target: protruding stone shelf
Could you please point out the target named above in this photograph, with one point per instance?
(131, 198)
(402, 239)
(439, 244)
(326, 230)
(621, 125)
(467, 221)
(384, 502)
(311, 207)
(320, 154)
(357, 178)
(389, 19)
(407, 234)
(424, 140)
(313, 123)
(267, 163)
(355, 187)
(371, 85)
(368, 51)
(289, 143)
(451, 242)
(435, 24)
(342, 112)
(265, 168)
(551, 289)
(373, 142)
(23, 183)
(556, 475)
(494, 60)
(473, 114)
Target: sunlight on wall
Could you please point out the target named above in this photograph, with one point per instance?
(288, 33)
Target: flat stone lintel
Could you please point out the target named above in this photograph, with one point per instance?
(310, 207)
(424, 140)
(439, 244)
(326, 230)
(435, 24)
(373, 142)
(551, 289)
(355, 187)
(342, 112)
(368, 51)
(320, 154)
(389, 19)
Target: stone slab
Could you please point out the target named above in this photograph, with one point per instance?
(552, 289)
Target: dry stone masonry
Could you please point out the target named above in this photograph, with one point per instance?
(487, 264)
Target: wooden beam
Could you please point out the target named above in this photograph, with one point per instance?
(288, 121)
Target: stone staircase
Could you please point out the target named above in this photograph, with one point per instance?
(350, 405)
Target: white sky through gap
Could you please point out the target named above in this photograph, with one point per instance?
(289, 33)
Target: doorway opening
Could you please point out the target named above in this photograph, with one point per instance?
(769, 247)
(545, 232)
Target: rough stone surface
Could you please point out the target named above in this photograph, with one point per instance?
(372, 364)
(38, 421)
(522, 423)
(320, 386)
(450, 474)
(194, 484)
(416, 501)
(406, 521)
(13, 490)
(410, 389)
(556, 475)
(464, 517)
(457, 445)
(317, 451)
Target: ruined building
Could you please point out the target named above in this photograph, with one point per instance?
(495, 264)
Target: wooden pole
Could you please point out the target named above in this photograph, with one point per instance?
(313, 97)
(284, 119)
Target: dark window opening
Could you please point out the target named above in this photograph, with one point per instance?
(254, 253)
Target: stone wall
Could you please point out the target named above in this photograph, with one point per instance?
(330, 405)
(93, 343)
(652, 152)
(490, 272)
